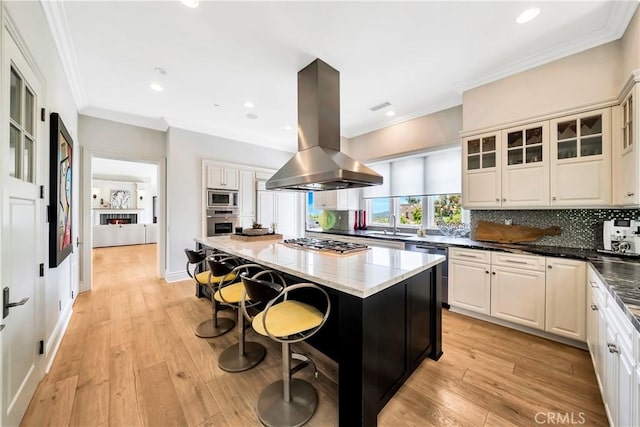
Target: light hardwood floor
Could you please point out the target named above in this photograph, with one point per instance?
(130, 358)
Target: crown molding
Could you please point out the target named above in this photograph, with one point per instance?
(633, 78)
(617, 22)
(154, 123)
(57, 18)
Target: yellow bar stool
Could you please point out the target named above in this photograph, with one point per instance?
(290, 401)
(243, 355)
(215, 326)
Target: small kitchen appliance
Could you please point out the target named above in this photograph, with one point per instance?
(622, 236)
(221, 199)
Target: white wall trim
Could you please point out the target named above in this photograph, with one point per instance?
(560, 113)
(154, 123)
(176, 276)
(57, 18)
(53, 344)
(633, 78)
(13, 30)
(619, 18)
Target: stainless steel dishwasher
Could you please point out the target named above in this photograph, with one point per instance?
(430, 248)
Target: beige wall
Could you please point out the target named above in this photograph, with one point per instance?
(420, 134)
(579, 80)
(631, 47)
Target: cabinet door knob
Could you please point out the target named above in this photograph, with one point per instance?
(613, 348)
(486, 271)
(504, 200)
(493, 272)
(594, 307)
(497, 200)
(549, 267)
(629, 194)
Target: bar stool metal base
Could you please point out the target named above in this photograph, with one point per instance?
(231, 360)
(273, 411)
(208, 329)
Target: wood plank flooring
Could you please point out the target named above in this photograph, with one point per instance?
(130, 358)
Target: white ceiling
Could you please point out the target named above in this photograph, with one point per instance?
(419, 56)
(111, 169)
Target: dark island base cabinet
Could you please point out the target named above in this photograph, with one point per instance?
(378, 341)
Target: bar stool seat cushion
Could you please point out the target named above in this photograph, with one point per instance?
(204, 277)
(288, 318)
(232, 293)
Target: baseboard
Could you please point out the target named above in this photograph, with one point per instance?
(53, 343)
(536, 332)
(175, 276)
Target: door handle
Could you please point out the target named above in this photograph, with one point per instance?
(1, 328)
(6, 305)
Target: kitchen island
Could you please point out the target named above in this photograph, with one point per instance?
(385, 315)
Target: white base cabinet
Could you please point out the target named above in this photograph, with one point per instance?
(470, 279)
(518, 296)
(118, 235)
(566, 298)
(538, 292)
(611, 339)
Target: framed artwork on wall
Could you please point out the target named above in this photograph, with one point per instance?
(60, 192)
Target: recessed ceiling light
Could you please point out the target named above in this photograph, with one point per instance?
(288, 128)
(159, 70)
(252, 116)
(528, 15)
(156, 87)
(249, 104)
(190, 3)
(390, 113)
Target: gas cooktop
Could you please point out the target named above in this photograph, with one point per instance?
(326, 245)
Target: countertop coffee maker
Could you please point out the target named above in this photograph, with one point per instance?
(622, 236)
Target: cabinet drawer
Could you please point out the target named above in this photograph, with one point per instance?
(621, 324)
(526, 262)
(595, 284)
(470, 255)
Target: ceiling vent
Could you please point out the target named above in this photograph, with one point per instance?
(380, 106)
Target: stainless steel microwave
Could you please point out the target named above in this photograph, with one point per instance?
(221, 199)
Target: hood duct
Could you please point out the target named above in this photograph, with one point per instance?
(319, 164)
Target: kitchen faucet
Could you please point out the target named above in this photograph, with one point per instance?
(393, 222)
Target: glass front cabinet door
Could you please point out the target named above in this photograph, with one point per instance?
(626, 157)
(580, 159)
(525, 165)
(481, 159)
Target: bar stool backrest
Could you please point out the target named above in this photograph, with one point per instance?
(194, 257)
(261, 290)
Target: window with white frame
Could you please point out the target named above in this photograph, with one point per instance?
(417, 211)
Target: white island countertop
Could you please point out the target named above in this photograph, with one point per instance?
(360, 274)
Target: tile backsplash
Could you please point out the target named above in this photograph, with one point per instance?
(581, 228)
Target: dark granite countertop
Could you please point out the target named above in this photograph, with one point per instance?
(621, 275)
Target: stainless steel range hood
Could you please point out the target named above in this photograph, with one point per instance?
(319, 164)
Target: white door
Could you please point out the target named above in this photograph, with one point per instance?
(470, 286)
(517, 295)
(481, 171)
(22, 241)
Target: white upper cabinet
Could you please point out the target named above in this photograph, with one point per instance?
(626, 156)
(222, 178)
(247, 194)
(580, 159)
(481, 175)
(348, 199)
(525, 166)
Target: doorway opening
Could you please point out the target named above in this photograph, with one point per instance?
(123, 199)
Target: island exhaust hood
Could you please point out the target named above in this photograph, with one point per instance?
(319, 164)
